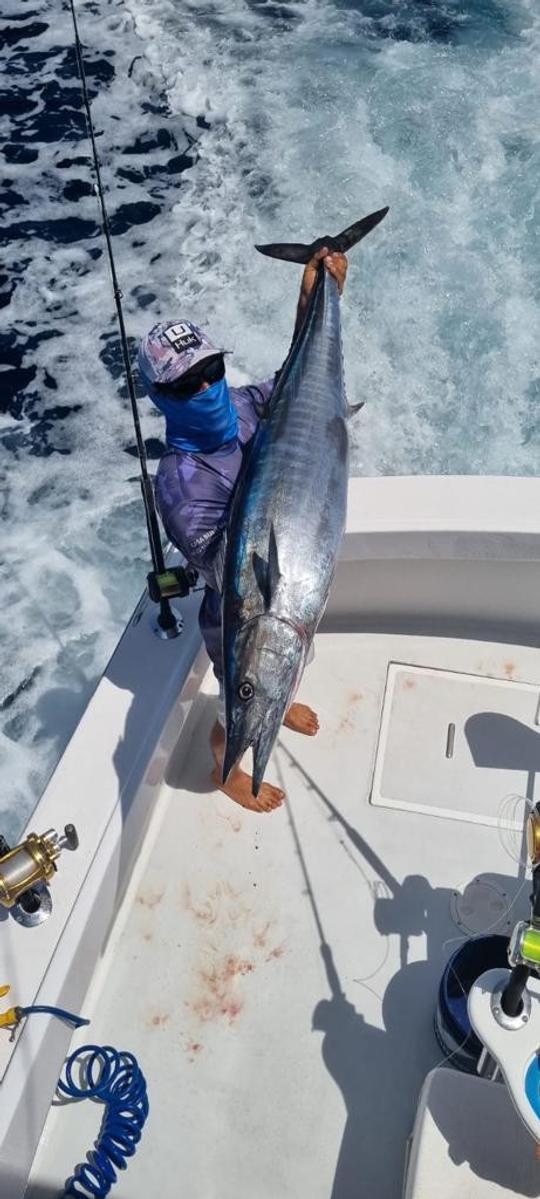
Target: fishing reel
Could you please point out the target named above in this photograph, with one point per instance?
(504, 1006)
(26, 870)
(174, 583)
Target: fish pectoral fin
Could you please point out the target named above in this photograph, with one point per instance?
(218, 564)
(260, 570)
(274, 572)
(267, 572)
(352, 409)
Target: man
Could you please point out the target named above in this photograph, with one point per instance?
(209, 427)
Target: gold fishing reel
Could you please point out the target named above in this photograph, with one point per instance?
(533, 837)
(32, 862)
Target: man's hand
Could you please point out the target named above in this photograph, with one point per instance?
(336, 265)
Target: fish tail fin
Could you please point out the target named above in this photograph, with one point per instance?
(300, 252)
(289, 251)
(354, 233)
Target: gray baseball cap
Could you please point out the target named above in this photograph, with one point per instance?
(171, 348)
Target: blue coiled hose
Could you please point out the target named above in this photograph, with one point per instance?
(115, 1079)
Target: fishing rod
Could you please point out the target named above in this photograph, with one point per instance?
(164, 583)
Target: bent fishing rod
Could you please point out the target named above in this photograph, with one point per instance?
(164, 583)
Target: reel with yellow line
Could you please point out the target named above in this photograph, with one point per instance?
(533, 837)
(524, 948)
(504, 1005)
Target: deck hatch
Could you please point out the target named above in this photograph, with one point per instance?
(455, 745)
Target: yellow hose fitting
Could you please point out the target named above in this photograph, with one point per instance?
(12, 1016)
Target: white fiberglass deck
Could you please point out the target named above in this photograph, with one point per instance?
(278, 1067)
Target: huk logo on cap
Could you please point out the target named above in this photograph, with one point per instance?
(182, 337)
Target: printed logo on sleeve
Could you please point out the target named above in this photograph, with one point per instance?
(182, 337)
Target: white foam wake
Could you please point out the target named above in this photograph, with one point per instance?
(298, 118)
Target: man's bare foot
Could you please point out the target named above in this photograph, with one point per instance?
(239, 785)
(302, 719)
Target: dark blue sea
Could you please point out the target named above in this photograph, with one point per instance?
(221, 123)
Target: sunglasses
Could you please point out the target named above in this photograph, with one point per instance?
(210, 371)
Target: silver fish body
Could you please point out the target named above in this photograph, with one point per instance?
(286, 523)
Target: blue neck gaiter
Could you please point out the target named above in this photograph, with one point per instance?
(201, 424)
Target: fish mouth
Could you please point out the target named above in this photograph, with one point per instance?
(264, 745)
(233, 753)
(261, 735)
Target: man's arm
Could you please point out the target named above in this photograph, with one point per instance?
(335, 264)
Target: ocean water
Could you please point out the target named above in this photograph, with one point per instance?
(221, 123)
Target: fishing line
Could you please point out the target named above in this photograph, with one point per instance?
(332, 975)
(304, 869)
(507, 818)
(336, 818)
(166, 616)
(363, 981)
(447, 1057)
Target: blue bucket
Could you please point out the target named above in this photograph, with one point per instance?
(452, 1025)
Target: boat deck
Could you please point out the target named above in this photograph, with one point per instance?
(276, 976)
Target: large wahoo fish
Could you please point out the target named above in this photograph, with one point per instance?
(287, 520)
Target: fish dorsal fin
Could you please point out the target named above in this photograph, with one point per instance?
(352, 409)
(218, 564)
(267, 573)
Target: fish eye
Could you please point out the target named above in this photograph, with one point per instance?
(246, 691)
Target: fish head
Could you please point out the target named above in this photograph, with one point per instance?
(261, 674)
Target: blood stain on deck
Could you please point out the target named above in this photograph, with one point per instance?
(221, 901)
(231, 947)
(275, 953)
(217, 996)
(232, 820)
(205, 912)
(150, 899)
(158, 1020)
(347, 722)
(260, 938)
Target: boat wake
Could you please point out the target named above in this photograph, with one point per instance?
(217, 128)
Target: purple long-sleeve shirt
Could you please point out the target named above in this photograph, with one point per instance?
(193, 494)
